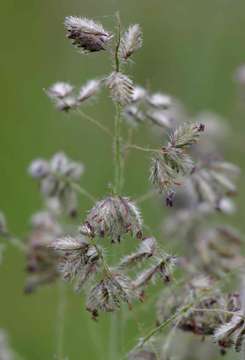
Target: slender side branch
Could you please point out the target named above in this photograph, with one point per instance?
(82, 191)
(118, 151)
(137, 147)
(95, 122)
(154, 331)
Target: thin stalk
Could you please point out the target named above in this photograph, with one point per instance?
(118, 152)
(118, 181)
(14, 241)
(78, 188)
(82, 191)
(137, 147)
(117, 57)
(95, 122)
(60, 323)
(145, 196)
(164, 324)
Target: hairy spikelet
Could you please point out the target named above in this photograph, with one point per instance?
(215, 180)
(86, 35)
(56, 177)
(108, 295)
(186, 135)
(173, 164)
(62, 95)
(159, 101)
(146, 249)
(90, 89)
(121, 88)
(41, 259)
(113, 217)
(162, 267)
(130, 42)
(78, 260)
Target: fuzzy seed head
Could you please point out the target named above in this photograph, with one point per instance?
(130, 42)
(121, 88)
(89, 90)
(38, 169)
(108, 295)
(114, 217)
(85, 34)
(41, 259)
(78, 260)
(146, 249)
(59, 90)
(56, 177)
(159, 101)
(61, 94)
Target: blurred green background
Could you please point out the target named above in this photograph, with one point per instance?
(191, 48)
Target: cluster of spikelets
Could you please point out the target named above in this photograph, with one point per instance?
(173, 163)
(56, 179)
(41, 259)
(89, 36)
(85, 264)
(211, 312)
(213, 250)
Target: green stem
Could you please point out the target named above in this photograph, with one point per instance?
(61, 321)
(117, 57)
(137, 147)
(118, 151)
(157, 329)
(82, 191)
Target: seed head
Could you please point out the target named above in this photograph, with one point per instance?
(160, 118)
(159, 101)
(133, 115)
(62, 95)
(56, 178)
(108, 295)
(130, 42)
(89, 90)
(85, 34)
(146, 249)
(41, 260)
(162, 267)
(78, 260)
(172, 164)
(121, 88)
(39, 168)
(214, 180)
(113, 217)
(186, 135)
(139, 94)
(60, 90)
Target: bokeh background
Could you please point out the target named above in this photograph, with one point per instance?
(191, 48)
